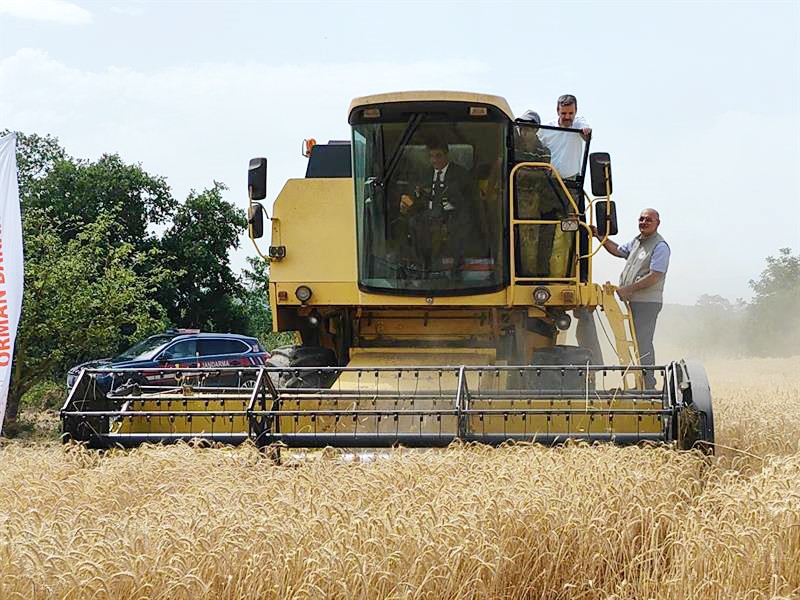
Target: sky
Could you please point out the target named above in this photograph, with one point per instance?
(698, 103)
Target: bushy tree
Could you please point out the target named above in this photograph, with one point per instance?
(205, 293)
(774, 313)
(97, 276)
(718, 327)
(76, 193)
(83, 299)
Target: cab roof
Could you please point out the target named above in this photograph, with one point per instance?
(432, 96)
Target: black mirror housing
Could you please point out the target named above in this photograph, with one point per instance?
(599, 164)
(606, 216)
(255, 220)
(257, 178)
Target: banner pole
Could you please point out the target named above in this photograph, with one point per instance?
(11, 263)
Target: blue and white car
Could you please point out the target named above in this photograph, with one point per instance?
(178, 348)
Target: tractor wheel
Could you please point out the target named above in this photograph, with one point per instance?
(291, 357)
(572, 380)
(696, 417)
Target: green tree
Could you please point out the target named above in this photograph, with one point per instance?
(83, 299)
(205, 292)
(97, 276)
(78, 192)
(36, 157)
(256, 298)
(774, 313)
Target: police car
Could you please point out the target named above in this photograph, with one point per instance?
(180, 348)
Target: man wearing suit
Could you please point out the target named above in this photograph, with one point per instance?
(443, 209)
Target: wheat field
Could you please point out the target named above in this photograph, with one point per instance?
(468, 522)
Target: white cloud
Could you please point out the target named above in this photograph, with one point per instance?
(58, 11)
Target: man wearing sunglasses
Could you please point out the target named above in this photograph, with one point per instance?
(642, 281)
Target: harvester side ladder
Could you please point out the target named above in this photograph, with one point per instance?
(626, 346)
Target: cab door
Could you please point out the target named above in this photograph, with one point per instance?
(540, 202)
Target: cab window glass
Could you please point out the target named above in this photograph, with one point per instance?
(431, 203)
(542, 249)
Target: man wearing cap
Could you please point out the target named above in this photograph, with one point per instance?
(641, 284)
(527, 145)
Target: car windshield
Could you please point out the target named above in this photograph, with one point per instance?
(146, 349)
(430, 200)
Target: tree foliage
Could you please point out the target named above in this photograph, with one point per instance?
(83, 299)
(76, 193)
(205, 293)
(98, 277)
(774, 313)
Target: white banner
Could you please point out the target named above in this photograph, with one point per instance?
(11, 269)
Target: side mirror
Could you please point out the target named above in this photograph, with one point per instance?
(257, 179)
(606, 217)
(255, 220)
(600, 164)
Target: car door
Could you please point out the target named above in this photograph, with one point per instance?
(182, 354)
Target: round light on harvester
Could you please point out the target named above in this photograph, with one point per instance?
(569, 225)
(303, 293)
(563, 322)
(541, 295)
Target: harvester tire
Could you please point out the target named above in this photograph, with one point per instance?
(696, 417)
(572, 380)
(289, 357)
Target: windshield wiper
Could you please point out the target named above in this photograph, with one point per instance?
(390, 165)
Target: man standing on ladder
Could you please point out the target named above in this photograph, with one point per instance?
(642, 282)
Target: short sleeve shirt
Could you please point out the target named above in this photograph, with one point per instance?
(566, 149)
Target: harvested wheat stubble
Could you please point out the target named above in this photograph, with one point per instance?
(468, 522)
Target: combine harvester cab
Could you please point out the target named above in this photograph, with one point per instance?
(429, 267)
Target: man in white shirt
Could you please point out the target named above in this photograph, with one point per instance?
(566, 148)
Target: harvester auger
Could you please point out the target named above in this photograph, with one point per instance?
(430, 310)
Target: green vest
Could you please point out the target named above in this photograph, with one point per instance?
(638, 265)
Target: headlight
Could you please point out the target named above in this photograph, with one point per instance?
(541, 295)
(303, 293)
(569, 225)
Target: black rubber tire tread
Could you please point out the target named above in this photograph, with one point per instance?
(562, 355)
(697, 432)
(573, 381)
(287, 357)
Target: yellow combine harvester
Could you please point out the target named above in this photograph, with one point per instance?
(429, 266)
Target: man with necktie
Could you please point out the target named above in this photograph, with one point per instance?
(444, 208)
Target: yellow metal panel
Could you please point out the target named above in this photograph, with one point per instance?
(315, 220)
(348, 294)
(422, 390)
(428, 96)
(183, 424)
